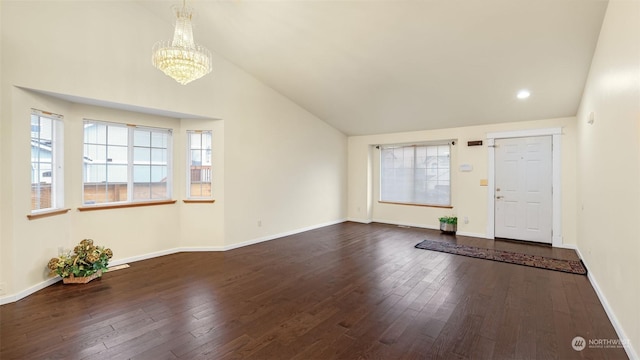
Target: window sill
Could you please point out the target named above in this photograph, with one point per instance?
(126, 205)
(198, 201)
(47, 213)
(414, 204)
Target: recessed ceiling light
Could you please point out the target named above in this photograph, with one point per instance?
(523, 94)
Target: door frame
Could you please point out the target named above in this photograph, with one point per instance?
(556, 196)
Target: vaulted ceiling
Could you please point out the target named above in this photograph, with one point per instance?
(368, 67)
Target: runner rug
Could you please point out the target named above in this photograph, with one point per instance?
(541, 262)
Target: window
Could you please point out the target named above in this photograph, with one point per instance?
(125, 163)
(199, 164)
(416, 174)
(46, 161)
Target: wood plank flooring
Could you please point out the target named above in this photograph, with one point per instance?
(347, 291)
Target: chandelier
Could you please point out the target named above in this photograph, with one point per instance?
(182, 59)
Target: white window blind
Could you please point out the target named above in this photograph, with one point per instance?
(416, 174)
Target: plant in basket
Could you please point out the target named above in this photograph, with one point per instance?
(86, 262)
(448, 224)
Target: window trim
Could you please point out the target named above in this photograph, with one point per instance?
(415, 204)
(122, 205)
(448, 143)
(57, 163)
(131, 202)
(198, 201)
(43, 214)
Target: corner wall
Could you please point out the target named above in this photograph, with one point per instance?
(609, 169)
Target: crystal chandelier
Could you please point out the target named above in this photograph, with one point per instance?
(182, 59)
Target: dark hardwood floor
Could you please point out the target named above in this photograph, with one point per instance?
(348, 291)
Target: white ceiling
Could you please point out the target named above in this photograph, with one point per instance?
(369, 67)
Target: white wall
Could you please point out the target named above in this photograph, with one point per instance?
(275, 162)
(15, 208)
(288, 170)
(468, 197)
(609, 167)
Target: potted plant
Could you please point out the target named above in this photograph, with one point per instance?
(448, 224)
(85, 263)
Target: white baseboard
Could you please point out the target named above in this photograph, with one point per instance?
(24, 293)
(200, 249)
(401, 223)
(472, 234)
(361, 221)
(277, 236)
(570, 247)
(422, 226)
(631, 353)
(144, 256)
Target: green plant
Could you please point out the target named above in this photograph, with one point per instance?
(449, 220)
(86, 259)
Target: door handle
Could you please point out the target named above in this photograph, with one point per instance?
(499, 197)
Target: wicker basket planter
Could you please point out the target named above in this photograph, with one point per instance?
(83, 279)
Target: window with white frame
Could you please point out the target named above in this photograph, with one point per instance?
(125, 163)
(416, 174)
(199, 180)
(47, 180)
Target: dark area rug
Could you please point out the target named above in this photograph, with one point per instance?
(541, 262)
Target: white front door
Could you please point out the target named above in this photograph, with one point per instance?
(523, 188)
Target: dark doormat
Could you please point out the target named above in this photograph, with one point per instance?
(541, 262)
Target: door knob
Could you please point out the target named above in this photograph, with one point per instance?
(499, 197)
